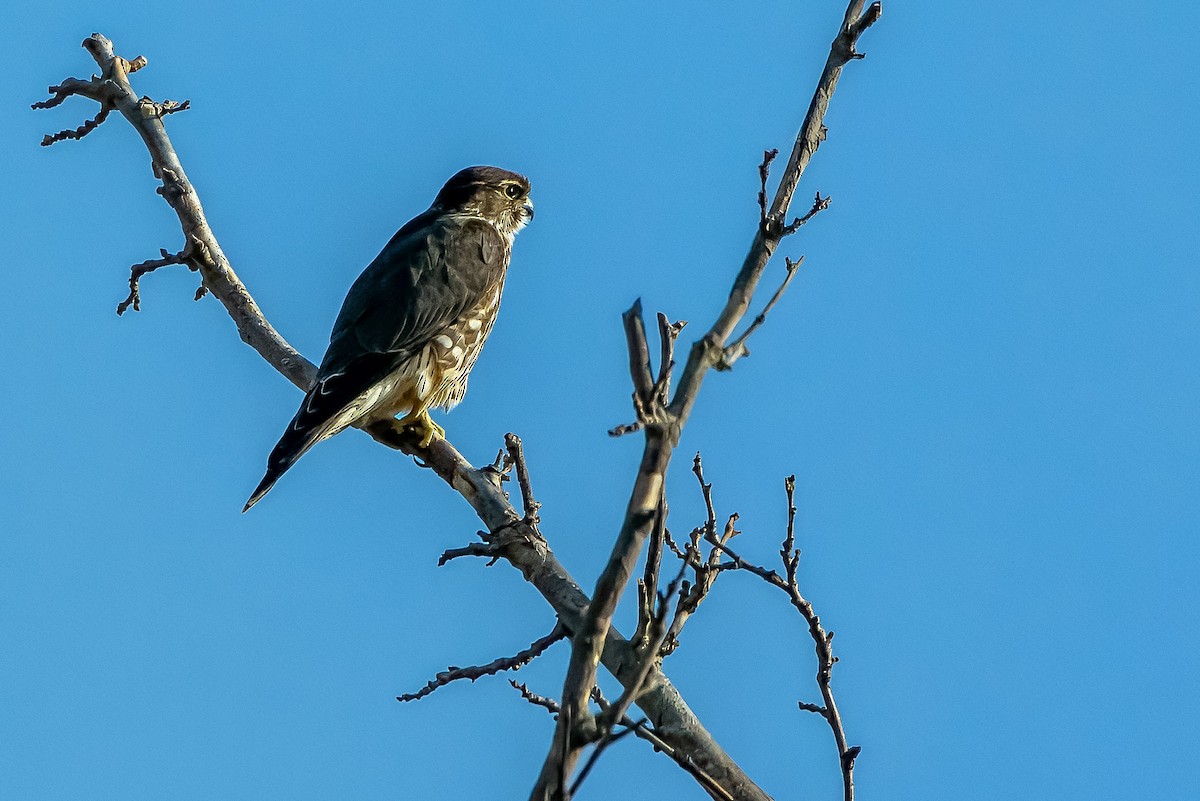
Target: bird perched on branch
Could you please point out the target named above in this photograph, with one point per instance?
(413, 323)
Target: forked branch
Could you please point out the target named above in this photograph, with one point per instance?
(662, 426)
(822, 639)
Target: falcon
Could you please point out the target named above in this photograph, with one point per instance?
(414, 322)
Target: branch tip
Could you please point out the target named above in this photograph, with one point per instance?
(137, 271)
(515, 662)
(764, 170)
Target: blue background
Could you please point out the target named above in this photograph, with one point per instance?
(985, 379)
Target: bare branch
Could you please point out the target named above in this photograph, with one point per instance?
(514, 662)
(548, 704)
(639, 728)
(639, 353)
(648, 586)
(486, 550)
(822, 639)
(649, 393)
(668, 332)
(497, 544)
(94, 89)
(80, 132)
(788, 551)
(589, 638)
(662, 433)
(705, 571)
(812, 132)
(709, 349)
(625, 428)
(600, 748)
(113, 89)
(817, 708)
(764, 170)
(675, 549)
(62, 91)
(137, 271)
(647, 656)
(819, 205)
(737, 349)
(709, 784)
(160, 110)
(516, 457)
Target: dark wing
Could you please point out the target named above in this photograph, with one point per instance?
(432, 272)
(423, 281)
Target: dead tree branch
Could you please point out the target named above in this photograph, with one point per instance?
(137, 271)
(663, 423)
(819, 205)
(737, 349)
(822, 639)
(548, 704)
(641, 730)
(514, 662)
(516, 460)
(705, 571)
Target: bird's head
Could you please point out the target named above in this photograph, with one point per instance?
(489, 192)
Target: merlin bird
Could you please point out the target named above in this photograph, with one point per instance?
(413, 323)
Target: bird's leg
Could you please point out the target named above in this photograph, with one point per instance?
(418, 420)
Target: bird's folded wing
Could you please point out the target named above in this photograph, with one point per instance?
(425, 280)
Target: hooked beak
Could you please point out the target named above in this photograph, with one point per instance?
(528, 209)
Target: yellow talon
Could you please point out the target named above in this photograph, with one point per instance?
(421, 423)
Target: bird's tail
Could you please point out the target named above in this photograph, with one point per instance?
(310, 425)
(333, 403)
(285, 454)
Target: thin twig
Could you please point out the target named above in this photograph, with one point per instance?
(647, 656)
(625, 428)
(598, 751)
(710, 521)
(675, 549)
(663, 431)
(737, 349)
(822, 639)
(80, 132)
(516, 457)
(642, 731)
(706, 570)
(668, 332)
(501, 543)
(706, 352)
(764, 170)
(648, 586)
(612, 714)
(819, 205)
(484, 549)
(514, 662)
(549, 704)
(138, 271)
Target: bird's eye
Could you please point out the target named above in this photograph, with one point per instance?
(512, 190)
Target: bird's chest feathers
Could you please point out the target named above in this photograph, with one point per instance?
(437, 374)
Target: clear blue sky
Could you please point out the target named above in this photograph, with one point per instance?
(985, 379)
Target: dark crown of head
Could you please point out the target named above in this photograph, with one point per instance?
(466, 183)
